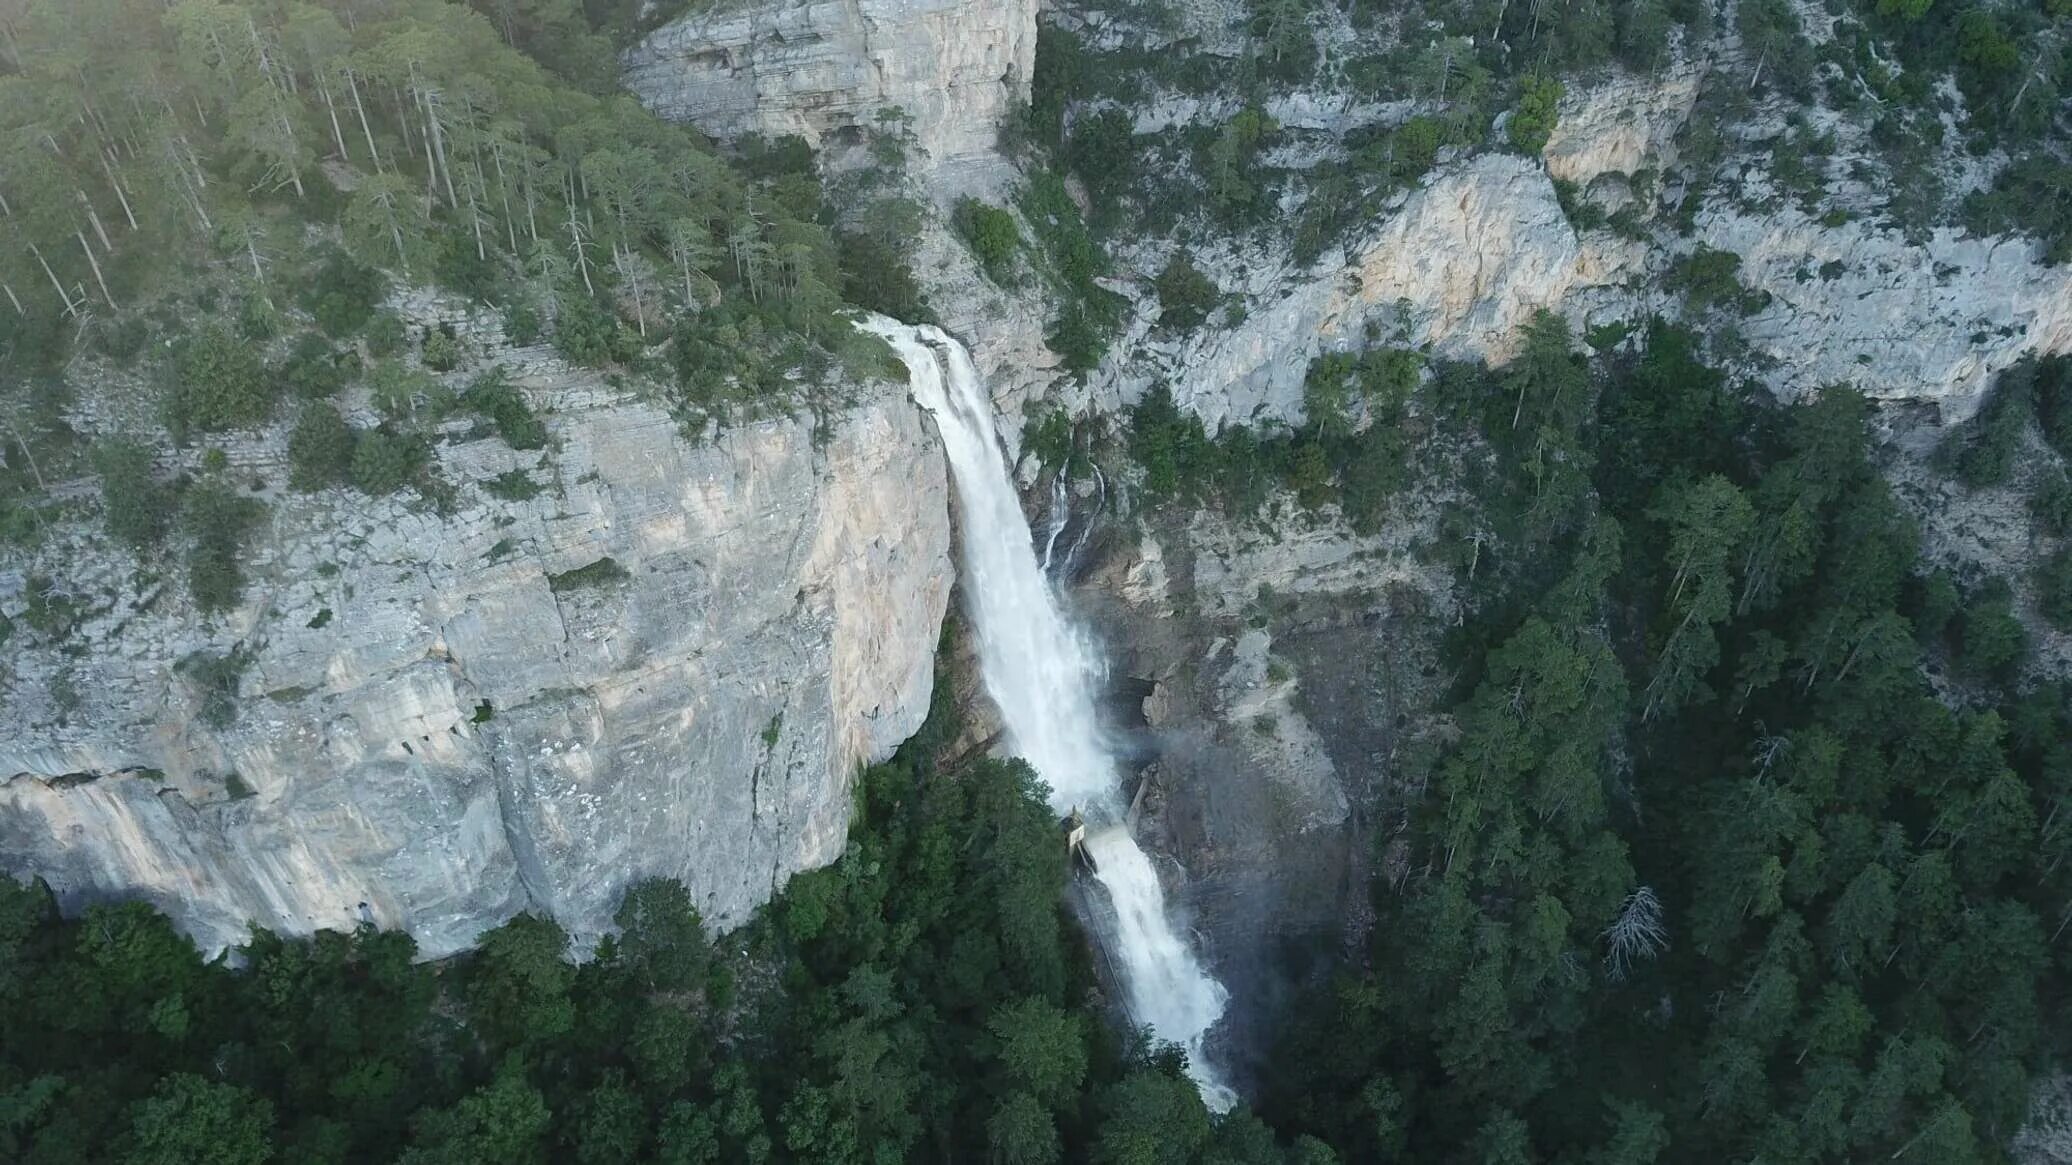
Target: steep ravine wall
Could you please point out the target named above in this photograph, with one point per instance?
(432, 735)
(822, 69)
(1461, 262)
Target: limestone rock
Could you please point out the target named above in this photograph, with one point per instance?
(1895, 318)
(824, 68)
(1621, 127)
(436, 727)
(1461, 265)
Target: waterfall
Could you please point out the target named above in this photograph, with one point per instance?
(1040, 671)
(1060, 517)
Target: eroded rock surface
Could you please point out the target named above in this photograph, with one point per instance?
(438, 724)
(824, 68)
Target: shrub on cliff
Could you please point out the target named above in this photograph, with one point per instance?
(1539, 107)
(1185, 295)
(385, 460)
(991, 234)
(217, 519)
(320, 450)
(218, 382)
(2054, 589)
(136, 508)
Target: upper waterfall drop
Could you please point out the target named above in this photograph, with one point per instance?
(1040, 671)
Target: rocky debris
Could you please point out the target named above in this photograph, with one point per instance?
(823, 69)
(438, 723)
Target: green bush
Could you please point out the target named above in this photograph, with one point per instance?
(2027, 196)
(1993, 641)
(522, 325)
(1710, 278)
(1047, 436)
(2050, 502)
(217, 519)
(2054, 589)
(991, 234)
(441, 349)
(386, 335)
(218, 383)
(215, 679)
(2051, 396)
(1414, 147)
(1185, 295)
(494, 396)
(586, 333)
(121, 340)
(1981, 451)
(401, 391)
(1539, 107)
(341, 295)
(320, 450)
(314, 370)
(876, 277)
(257, 319)
(600, 573)
(512, 486)
(137, 509)
(385, 460)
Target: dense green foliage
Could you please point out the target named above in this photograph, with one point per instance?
(991, 234)
(220, 196)
(922, 999)
(320, 450)
(1711, 872)
(136, 507)
(1886, 67)
(298, 154)
(1351, 451)
(1532, 122)
(217, 519)
(1185, 295)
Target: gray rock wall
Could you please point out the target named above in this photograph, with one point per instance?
(957, 68)
(429, 727)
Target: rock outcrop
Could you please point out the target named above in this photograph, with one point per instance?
(822, 69)
(1857, 304)
(669, 662)
(1459, 264)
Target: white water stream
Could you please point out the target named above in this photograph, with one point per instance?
(1041, 672)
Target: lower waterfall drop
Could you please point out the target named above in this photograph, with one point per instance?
(1040, 671)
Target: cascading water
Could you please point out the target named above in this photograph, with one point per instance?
(1040, 672)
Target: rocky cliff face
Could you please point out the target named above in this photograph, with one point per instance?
(1458, 264)
(1462, 261)
(438, 724)
(823, 69)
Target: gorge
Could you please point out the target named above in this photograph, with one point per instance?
(1550, 588)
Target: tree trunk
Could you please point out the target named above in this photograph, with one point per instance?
(353, 85)
(100, 232)
(64, 296)
(115, 184)
(96, 265)
(532, 224)
(331, 108)
(575, 235)
(503, 190)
